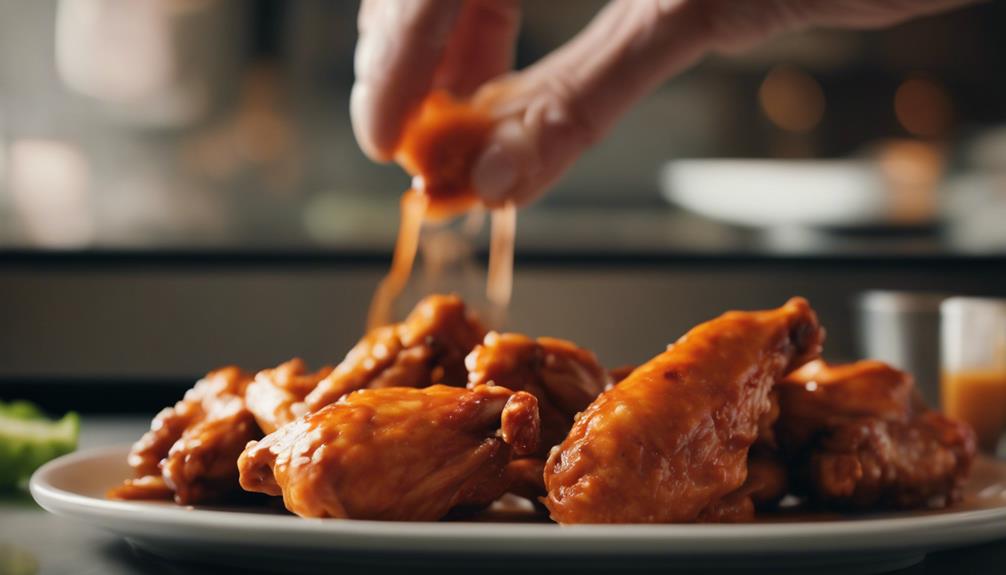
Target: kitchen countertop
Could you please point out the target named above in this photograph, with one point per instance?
(30, 536)
(366, 232)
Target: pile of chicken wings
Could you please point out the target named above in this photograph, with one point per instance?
(435, 416)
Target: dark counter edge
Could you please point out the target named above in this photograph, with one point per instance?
(320, 259)
(92, 395)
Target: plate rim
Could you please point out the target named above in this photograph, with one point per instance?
(929, 532)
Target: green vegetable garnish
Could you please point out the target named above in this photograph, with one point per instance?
(28, 439)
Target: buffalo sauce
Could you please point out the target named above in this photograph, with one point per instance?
(979, 398)
(439, 147)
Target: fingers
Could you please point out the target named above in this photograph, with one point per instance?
(401, 44)
(550, 113)
(735, 25)
(867, 13)
(481, 46)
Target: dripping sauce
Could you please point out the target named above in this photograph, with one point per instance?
(439, 148)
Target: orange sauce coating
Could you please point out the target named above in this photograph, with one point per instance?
(439, 148)
(979, 398)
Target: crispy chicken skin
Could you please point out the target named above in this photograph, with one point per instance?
(396, 453)
(870, 463)
(671, 440)
(565, 378)
(191, 448)
(428, 348)
(819, 396)
(857, 438)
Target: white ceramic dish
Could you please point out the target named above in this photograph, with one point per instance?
(762, 193)
(74, 485)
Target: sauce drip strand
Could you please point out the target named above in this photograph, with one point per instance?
(439, 148)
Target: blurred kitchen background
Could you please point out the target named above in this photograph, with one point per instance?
(180, 188)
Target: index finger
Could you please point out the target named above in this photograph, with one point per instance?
(400, 46)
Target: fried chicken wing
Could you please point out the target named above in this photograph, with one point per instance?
(768, 477)
(671, 440)
(565, 378)
(819, 396)
(191, 448)
(735, 507)
(859, 439)
(276, 397)
(396, 453)
(871, 463)
(200, 465)
(428, 348)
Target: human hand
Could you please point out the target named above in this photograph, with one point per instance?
(549, 113)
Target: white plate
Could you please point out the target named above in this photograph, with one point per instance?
(759, 193)
(74, 486)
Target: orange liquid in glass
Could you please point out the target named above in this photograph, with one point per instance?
(979, 398)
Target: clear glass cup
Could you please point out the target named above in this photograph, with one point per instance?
(973, 383)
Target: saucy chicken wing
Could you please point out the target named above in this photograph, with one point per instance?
(396, 453)
(191, 448)
(858, 439)
(565, 378)
(428, 348)
(876, 464)
(819, 396)
(276, 397)
(670, 441)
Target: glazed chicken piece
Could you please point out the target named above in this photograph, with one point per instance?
(276, 397)
(428, 348)
(670, 442)
(396, 453)
(563, 377)
(190, 450)
(859, 439)
(819, 396)
(768, 477)
(871, 463)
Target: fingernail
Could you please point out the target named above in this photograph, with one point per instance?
(364, 122)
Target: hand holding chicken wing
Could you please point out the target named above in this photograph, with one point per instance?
(672, 439)
(396, 453)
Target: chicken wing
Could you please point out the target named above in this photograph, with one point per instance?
(396, 453)
(565, 378)
(858, 439)
(819, 396)
(428, 348)
(671, 440)
(276, 397)
(768, 477)
(190, 449)
(875, 464)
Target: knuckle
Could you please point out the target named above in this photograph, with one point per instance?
(740, 23)
(560, 109)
